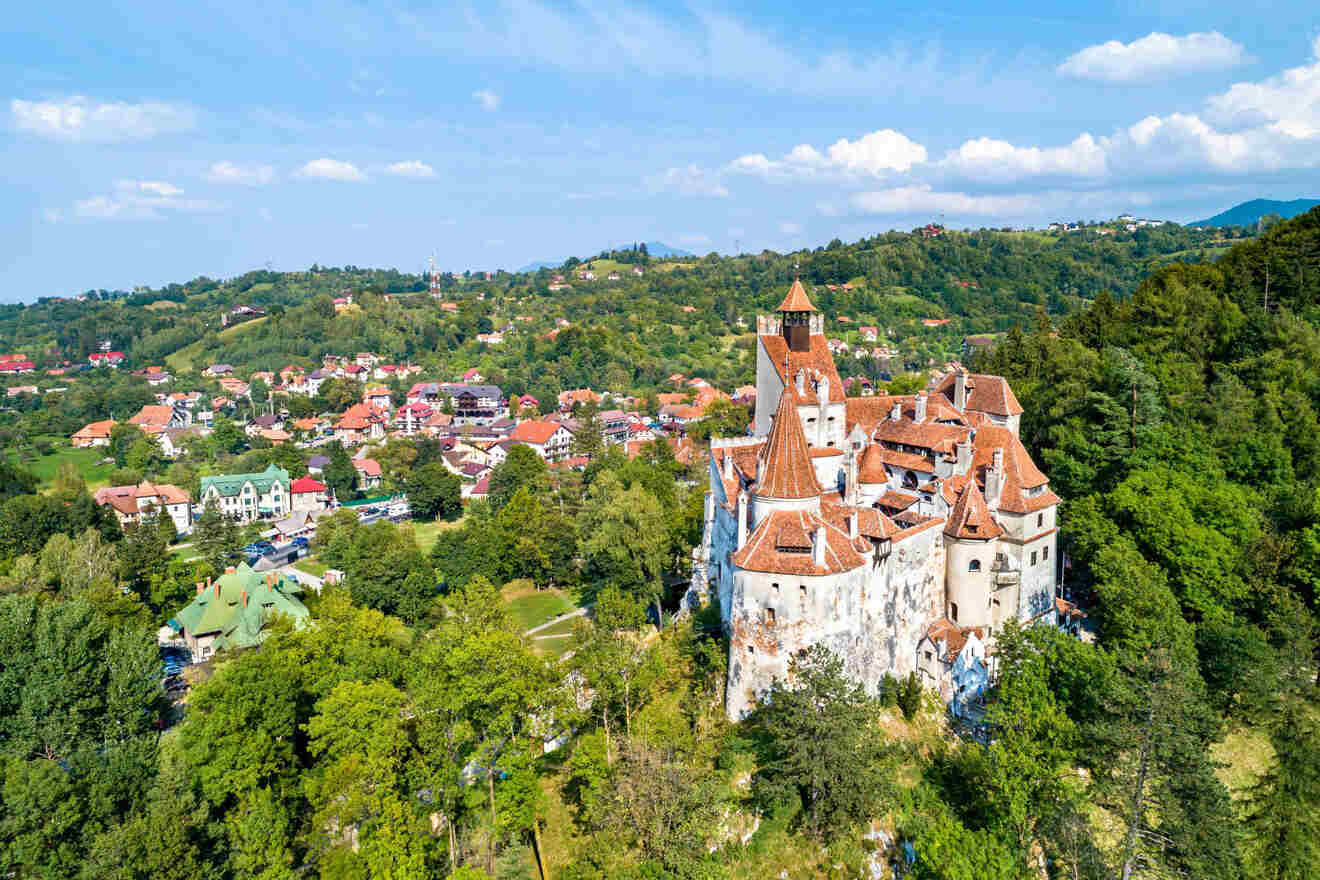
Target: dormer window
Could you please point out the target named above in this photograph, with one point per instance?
(974, 565)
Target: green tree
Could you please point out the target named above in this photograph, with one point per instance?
(1283, 821)
(623, 539)
(339, 474)
(216, 537)
(434, 492)
(522, 467)
(821, 748)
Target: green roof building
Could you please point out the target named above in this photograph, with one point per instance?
(245, 497)
(232, 611)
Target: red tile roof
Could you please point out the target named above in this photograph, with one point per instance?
(782, 544)
(817, 359)
(535, 432)
(369, 466)
(796, 300)
(304, 485)
(970, 518)
(785, 467)
(989, 394)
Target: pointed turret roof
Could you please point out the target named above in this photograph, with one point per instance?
(786, 470)
(970, 517)
(797, 300)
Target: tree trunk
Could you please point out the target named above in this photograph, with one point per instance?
(490, 784)
(453, 846)
(536, 844)
(1134, 825)
(605, 722)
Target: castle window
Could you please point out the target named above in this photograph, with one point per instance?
(776, 587)
(769, 617)
(909, 480)
(802, 594)
(1045, 552)
(928, 656)
(1040, 520)
(974, 565)
(751, 649)
(1033, 557)
(953, 611)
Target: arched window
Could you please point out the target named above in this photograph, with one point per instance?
(953, 611)
(909, 480)
(974, 565)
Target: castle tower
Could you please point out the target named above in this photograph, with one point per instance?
(795, 318)
(786, 478)
(971, 535)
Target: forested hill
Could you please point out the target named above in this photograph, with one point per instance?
(984, 281)
(1181, 427)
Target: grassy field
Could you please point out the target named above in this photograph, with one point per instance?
(45, 467)
(311, 565)
(427, 533)
(532, 607)
(185, 359)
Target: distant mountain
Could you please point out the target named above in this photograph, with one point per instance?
(1248, 213)
(654, 248)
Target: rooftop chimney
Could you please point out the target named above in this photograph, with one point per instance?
(896, 411)
(959, 390)
(921, 407)
(852, 525)
(245, 598)
(818, 548)
(728, 465)
(994, 480)
(802, 381)
(740, 511)
(200, 587)
(964, 457)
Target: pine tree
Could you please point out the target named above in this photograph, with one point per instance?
(1284, 817)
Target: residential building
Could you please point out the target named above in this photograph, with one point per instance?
(93, 434)
(131, 503)
(368, 473)
(550, 440)
(232, 612)
(307, 494)
(248, 497)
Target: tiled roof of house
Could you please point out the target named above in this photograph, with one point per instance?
(784, 541)
(95, 430)
(970, 517)
(1020, 472)
(953, 637)
(238, 605)
(304, 485)
(872, 468)
(158, 415)
(535, 432)
(785, 468)
(368, 466)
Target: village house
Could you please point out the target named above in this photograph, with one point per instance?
(153, 417)
(475, 404)
(378, 396)
(93, 434)
(549, 440)
(110, 359)
(410, 417)
(174, 442)
(307, 494)
(368, 473)
(131, 503)
(248, 497)
(217, 370)
(232, 611)
(360, 423)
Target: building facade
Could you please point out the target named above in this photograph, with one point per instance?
(899, 530)
(248, 497)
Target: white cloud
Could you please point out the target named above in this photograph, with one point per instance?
(246, 175)
(988, 159)
(1154, 55)
(689, 181)
(80, 120)
(875, 154)
(1290, 102)
(149, 187)
(331, 169)
(788, 227)
(410, 168)
(488, 100)
(921, 199)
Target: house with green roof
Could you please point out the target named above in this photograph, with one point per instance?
(232, 611)
(246, 497)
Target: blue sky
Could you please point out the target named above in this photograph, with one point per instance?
(154, 142)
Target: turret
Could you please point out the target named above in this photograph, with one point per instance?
(795, 318)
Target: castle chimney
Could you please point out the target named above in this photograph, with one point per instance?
(964, 457)
(740, 511)
(852, 525)
(245, 598)
(818, 548)
(921, 407)
(896, 411)
(994, 480)
(200, 587)
(802, 382)
(217, 588)
(959, 390)
(728, 464)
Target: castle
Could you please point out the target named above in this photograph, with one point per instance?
(900, 531)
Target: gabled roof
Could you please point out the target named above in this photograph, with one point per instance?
(304, 485)
(796, 300)
(970, 517)
(816, 359)
(953, 637)
(783, 544)
(534, 432)
(988, 394)
(368, 466)
(872, 469)
(785, 468)
(238, 605)
(1020, 472)
(232, 484)
(153, 414)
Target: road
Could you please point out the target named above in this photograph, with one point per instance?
(549, 623)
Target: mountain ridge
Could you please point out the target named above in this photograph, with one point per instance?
(654, 248)
(1247, 213)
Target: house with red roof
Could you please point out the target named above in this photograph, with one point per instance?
(308, 494)
(106, 358)
(411, 417)
(368, 472)
(550, 440)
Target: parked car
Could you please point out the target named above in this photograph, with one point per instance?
(300, 542)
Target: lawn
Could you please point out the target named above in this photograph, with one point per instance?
(531, 607)
(45, 467)
(427, 533)
(311, 565)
